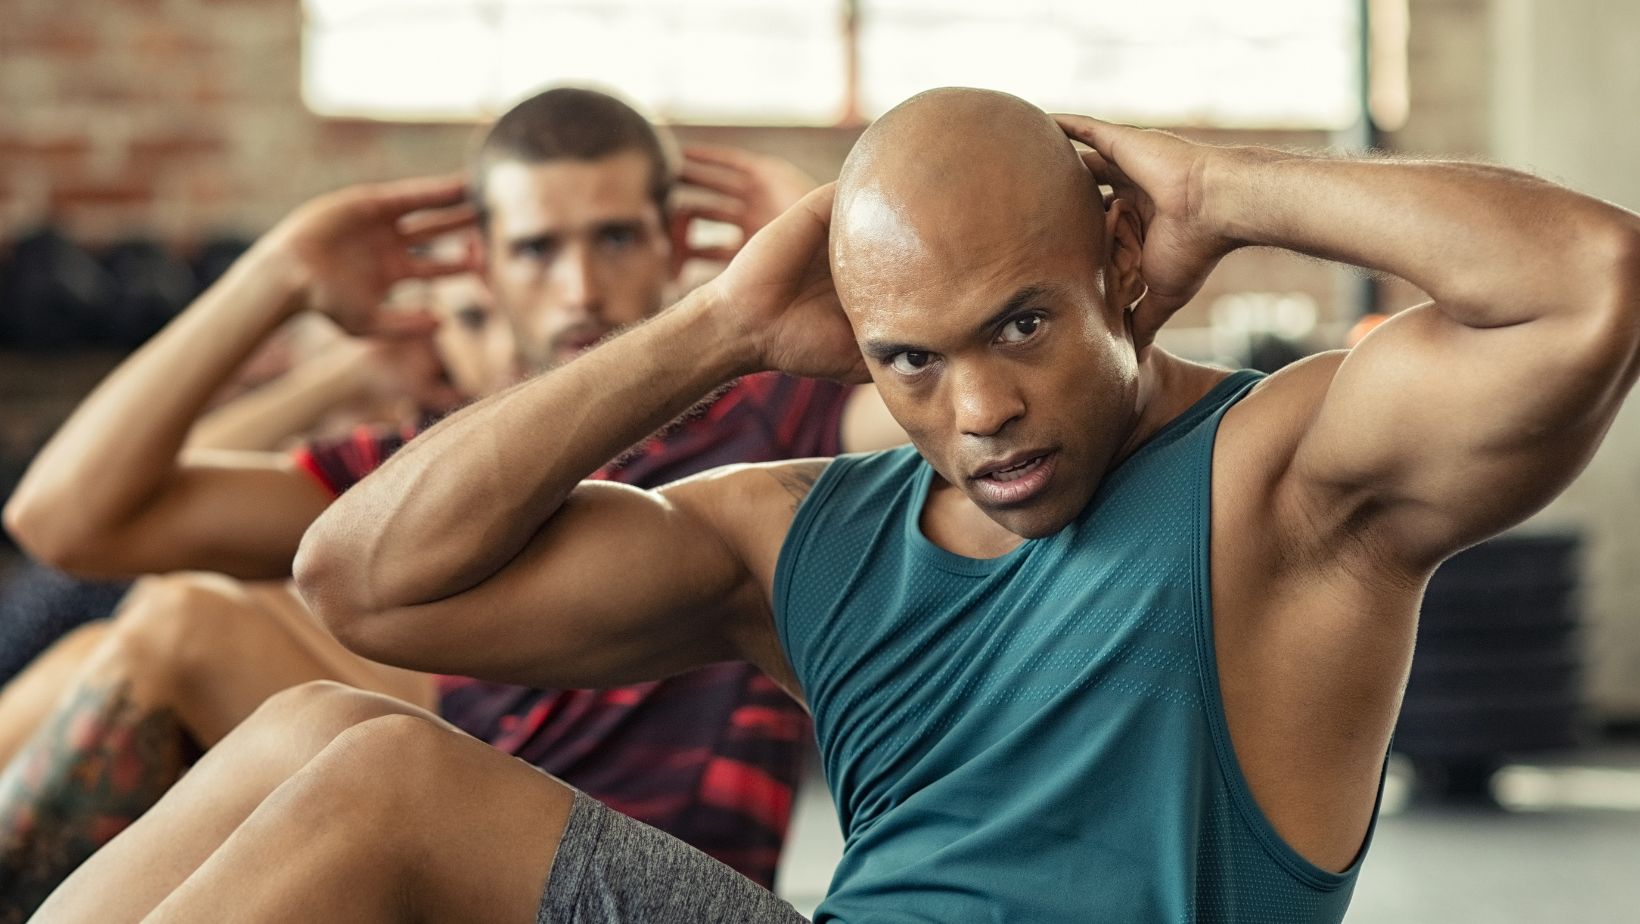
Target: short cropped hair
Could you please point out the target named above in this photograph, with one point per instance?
(574, 123)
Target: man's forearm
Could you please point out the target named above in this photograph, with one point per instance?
(1492, 246)
(122, 442)
(460, 501)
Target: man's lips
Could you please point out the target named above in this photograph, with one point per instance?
(1016, 478)
(1012, 461)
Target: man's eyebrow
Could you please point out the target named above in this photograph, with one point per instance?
(1016, 303)
(884, 350)
(528, 240)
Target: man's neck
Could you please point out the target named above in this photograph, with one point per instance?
(1168, 386)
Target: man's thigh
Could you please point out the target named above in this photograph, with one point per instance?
(472, 834)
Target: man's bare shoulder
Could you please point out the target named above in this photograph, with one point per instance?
(1265, 427)
(1289, 396)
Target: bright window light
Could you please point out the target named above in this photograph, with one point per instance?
(1269, 64)
(708, 61)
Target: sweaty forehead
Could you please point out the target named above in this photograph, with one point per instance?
(953, 185)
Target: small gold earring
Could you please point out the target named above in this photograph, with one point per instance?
(1134, 305)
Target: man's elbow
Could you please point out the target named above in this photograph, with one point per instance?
(1599, 322)
(23, 524)
(332, 592)
(1621, 304)
(39, 528)
(332, 575)
(318, 572)
(1620, 251)
(1626, 257)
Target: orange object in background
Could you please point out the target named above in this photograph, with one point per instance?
(1364, 327)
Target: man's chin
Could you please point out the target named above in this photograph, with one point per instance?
(1027, 524)
(1033, 520)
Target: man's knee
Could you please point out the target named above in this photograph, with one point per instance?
(405, 742)
(437, 803)
(307, 717)
(179, 590)
(408, 758)
(379, 770)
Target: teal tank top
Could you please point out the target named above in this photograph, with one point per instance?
(1037, 737)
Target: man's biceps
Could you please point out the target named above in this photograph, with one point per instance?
(631, 549)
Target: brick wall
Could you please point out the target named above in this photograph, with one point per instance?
(184, 118)
(178, 117)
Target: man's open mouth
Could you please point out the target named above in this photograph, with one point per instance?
(1015, 472)
(1016, 480)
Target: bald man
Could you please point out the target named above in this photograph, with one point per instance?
(1121, 639)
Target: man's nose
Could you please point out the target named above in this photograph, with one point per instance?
(577, 280)
(984, 403)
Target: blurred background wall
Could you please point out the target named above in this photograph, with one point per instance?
(183, 122)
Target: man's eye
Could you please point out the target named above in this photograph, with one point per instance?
(535, 250)
(620, 238)
(910, 362)
(472, 317)
(1021, 329)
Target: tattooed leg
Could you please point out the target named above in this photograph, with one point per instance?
(188, 658)
(98, 765)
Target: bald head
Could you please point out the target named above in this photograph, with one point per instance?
(957, 176)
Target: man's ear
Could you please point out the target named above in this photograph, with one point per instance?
(1124, 253)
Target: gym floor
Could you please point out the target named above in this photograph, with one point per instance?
(1567, 848)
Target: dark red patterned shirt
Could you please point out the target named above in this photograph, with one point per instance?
(711, 756)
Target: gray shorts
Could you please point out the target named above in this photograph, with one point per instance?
(611, 869)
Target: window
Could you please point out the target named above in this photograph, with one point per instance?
(1274, 63)
(716, 61)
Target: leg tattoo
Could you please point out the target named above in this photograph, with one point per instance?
(97, 764)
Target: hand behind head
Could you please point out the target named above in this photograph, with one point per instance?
(1159, 175)
(778, 293)
(353, 245)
